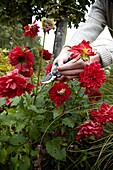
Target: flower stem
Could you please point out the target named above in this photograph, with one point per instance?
(40, 65)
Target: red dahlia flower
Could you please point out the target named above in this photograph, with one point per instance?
(88, 129)
(48, 68)
(13, 85)
(103, 115)
(82, 50)
(59, 93)
(22, 59)
(92, 77)
(46, 54)
(31, 30)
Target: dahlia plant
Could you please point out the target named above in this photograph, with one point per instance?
(60, 125)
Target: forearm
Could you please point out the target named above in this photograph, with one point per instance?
(94, 25)
(106, 54)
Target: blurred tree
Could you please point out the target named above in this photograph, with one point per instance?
(64, 12)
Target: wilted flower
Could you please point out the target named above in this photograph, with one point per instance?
(45, 54)
(47, 24)
(22, 59)
(31, 30)
(92, 77)
(59, 93)
(88, 129)
(14, 85)
(83, 50)
(48, 68)
(103, 115)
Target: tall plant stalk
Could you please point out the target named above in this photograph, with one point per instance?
(40, 66)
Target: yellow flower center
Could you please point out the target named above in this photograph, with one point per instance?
(85, 50)
(61, 92)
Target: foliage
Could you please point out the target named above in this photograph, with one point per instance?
(24, 10)
(5, 66)
(35, 134)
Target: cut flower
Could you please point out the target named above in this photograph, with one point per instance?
(83, 50)
(59, 93)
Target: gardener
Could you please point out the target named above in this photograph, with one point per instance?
(101, 14)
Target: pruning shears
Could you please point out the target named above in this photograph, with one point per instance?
(50, 77)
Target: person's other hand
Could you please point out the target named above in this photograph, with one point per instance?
(73, 68)
(62, 57)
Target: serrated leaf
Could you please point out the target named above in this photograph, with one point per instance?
(33, 108)
(41, 110)
(15, 101)
(39, 117)
(57, 112)
(40, 101)
(68, 122)
(19, 127)
(17, 139)
(7, 120)
(55, 151)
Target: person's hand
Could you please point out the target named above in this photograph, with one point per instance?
(73, 68)
(62, 57)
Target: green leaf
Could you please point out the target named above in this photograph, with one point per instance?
(4, 138)
(15, 101)
(26, 148)
(39, 117)
(17, 139)
(41, 110)
(68, 122)
(57, 112)
(11, 111)
(55, 151)
(19, 127)
(40, 102)
(28, 98)
(7, 120)
(34, 153)
(15, 162)
(3, 155)
(25, 163)
(2, 101)
(33, 108)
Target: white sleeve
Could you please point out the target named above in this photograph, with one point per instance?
(93, 26)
